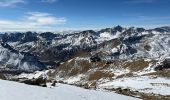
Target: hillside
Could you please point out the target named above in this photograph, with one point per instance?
(114, 59)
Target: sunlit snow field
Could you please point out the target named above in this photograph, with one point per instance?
(19, 91)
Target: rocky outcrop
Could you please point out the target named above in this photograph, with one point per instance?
(38, 81)
(163, 65)
(38, 78)
(95, 58)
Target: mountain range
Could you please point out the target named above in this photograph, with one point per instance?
(89, 58)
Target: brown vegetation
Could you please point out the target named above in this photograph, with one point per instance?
(137, 65)
(100, 74)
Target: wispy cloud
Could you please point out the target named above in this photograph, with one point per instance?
(32, 21)
(140, 1)
(10, 3)
(45, 18)
(48, 1)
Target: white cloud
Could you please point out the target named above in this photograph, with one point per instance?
(49, 1)
(10, 3)
(45, 18)
(32, 21)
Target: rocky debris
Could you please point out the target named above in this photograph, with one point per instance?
(38, 78)
(39, 81)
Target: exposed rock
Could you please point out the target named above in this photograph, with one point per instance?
(2, 76)
(39, 81)
(95, 58)
(38, 78)
(15, 61)
(163, 65)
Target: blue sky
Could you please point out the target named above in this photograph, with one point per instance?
(40, 15)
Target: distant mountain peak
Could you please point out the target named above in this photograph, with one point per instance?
(118, 28)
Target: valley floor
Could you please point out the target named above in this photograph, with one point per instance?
(18, 91)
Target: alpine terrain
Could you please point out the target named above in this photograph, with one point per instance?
(121, 61)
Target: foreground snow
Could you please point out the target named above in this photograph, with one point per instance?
(144, 84)
(18, 91)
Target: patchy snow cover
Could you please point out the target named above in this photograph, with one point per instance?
(12, 60)
(160, 46)
(114, 50)
(149, 69)
(34, 75)
(18, 91)
(105, 36)
(119, 71)
(144, 84)
(145, 33)
(9, 58)
(75, 79)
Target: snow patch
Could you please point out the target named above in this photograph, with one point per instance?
(17, 91)
(144, 84)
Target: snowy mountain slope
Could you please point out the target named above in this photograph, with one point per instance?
(133, 42)
(18, 91)
(92, 58)
(14, 61)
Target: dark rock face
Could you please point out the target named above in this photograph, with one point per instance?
(95, 58)
(33, 60)
(39, 81)
(118, 28)
(7, 46)
(130, 50)
(164, 65)
(133, 40)
(20, 37)
(2, 77)
(112, 30)
(29, 37)
(89, 32)
(48, 35)
(140, 30)
(162, 29)
(12, 37)
(109, 30)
